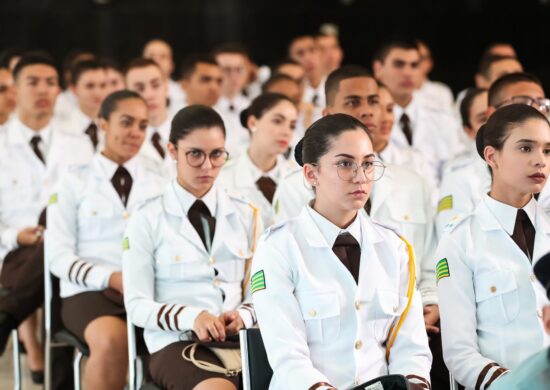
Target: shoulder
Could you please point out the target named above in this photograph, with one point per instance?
(151, 206)
(294, 173)
(459, 224)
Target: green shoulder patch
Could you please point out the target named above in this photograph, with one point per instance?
(277, 206)
(445, 203)
(125, 244)
(442, 270)
(53, 199)
(257, 282)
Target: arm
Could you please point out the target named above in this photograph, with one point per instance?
(426, 277)
(61, 242)
(458, 320)
(281, 322)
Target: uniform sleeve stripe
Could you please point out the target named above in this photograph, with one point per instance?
(495, 376)
(167, 317)
(71, 269)
(320, 384)
(159, 316)
(176, 325)
(80, 268)
(483, 374)
(85, 274)
(423, 382)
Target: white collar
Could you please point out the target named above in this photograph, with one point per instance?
(186, 199)
(411, 110)
(83, 120)
(109, 166)
(45, 133)
(274, 173)
(330, 231)
(506, 214)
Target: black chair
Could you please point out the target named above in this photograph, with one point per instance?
(256, 370)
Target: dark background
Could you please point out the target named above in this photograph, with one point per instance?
(456, 30)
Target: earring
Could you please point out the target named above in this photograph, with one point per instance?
(253, 129)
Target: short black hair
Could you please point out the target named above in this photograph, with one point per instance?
(110, 103)
(261, 104)
(488, 61)
(490, 46)
(317, 138)
(192, 118)
(394, 43)
(33, 58)
(498, 86)
(466, 104)
(189, 65)
(231, 48)
(297, 38)
(109, 63)
(82, 67)
(277, 77)
(343, 73)
(140, 62)
(284, 61)
(73, 56)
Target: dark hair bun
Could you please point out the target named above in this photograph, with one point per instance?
(298, 152)
(243, 116)
(480, 143)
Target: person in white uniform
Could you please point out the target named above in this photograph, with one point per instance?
(146, 78)
(115, 76)
(333, 290)
(187, 256)
(490, 302)
(161, 52)
(87, 216)
(271, 119)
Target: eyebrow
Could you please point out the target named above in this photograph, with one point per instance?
(350, 156)
(530, 141)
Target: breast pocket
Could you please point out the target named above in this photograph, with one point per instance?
(497, 296)
(231, 261)
(387, 305)
(95, 219)
(15, 190)
(321, 314)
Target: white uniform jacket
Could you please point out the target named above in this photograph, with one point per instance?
(490, 301)
(465, 180)
(400, 199)
(176, 94)
(239, 176)
(437, 94)
(237, 138)
(434, 133)
(166, 166)
(76, 123)
(170, 278)
(318, 324)
(87, 220)
(25, 182)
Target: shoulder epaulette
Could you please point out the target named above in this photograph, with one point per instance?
(454, 222)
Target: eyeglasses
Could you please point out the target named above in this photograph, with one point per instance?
(197, 157)
(347, 170)
(541, 104)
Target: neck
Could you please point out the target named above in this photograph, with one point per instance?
(231, 94)
(403, 100)
(264, 161)
(314, 79)
(113, 156)
(158, 119)
(4, 116)
(380, 146)
(339, 217)
(509, 196)
(196, 193)
(35, 122)
(92, 114)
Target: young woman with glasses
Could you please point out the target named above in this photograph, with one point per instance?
(334, 291)
(186, 257)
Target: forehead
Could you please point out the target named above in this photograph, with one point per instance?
(5, 75)
(384, 94)
(503, 67)
(523, 88)
(503, 50)
(131, 107)
(157, 48)
(532, 129)
(204, 138)
(143, 73)
(38, 70)
(92, 74)
(284, 85)
(327, 40)
(292, 70)
(204, 68)
(302, 43)
(479, 103)
(355, 142)
(360, 86)
(406, 55)
(230, 58)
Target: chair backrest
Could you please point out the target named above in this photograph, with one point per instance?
(256, 372)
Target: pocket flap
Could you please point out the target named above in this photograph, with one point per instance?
(319, 305)
(494, 283)
(389, 302)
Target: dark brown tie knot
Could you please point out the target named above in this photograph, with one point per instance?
(405, 122)
(347, 249)
(91, 131)
(524, 233)
(267, 186)
(197, 211)
(199, 207)
(345, 239)
(122, 181)
(35, 141)
(155, 140)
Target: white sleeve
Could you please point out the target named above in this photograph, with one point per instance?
(426, 278)
(138, 273)
(281, 321)
(60, 247)
(410, 354)
(458, 319)
(8, 237)
(454, 200)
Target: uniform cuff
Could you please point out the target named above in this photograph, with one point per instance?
(429, 298)
(9, 239)
(187, 316)
(98, 277)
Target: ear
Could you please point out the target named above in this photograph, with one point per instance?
(377, 68)
(310, 174)
(546, 318)
(251, 122)
(490, 156)
(173, 151)
(103, 124)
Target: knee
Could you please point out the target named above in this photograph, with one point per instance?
(107, 341)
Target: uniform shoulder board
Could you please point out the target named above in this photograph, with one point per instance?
(454, 222)
(387, 226)
(148, 201)
(273, 228)
(237, 197)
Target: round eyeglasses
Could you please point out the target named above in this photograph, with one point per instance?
(347, 170)
(197, 157)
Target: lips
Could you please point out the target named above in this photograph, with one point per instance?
(538, 177)
(283, 144)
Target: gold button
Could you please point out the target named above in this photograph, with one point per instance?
(241, 253)
(178, 258)
(493, 289)
(357, 305)
(533, 278)
(125, 215)
(217, 282)
(406, 217)
(358, 344)
(312, 313)
(211, 260)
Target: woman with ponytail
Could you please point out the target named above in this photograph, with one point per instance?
(489, 300)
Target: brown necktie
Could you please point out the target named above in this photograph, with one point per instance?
(122, 181)
(406, 127)
(524, 234)
(155, 139)
(348, 251)
(368, 206)
(92, 133)
(267, 186)
(197, 211)
(35, 141)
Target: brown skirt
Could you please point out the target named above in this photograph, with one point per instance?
(79, 310)
(170, 371)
